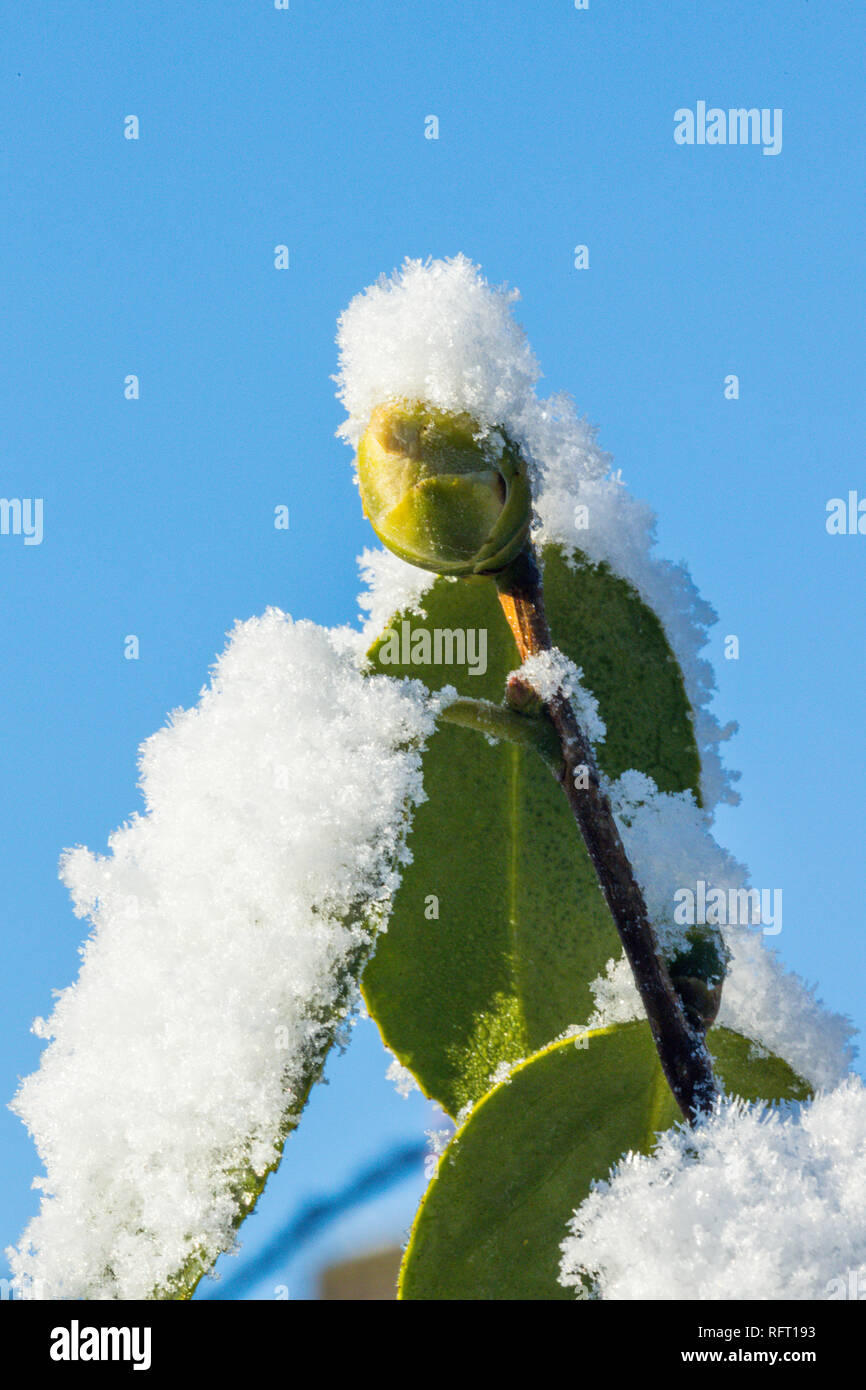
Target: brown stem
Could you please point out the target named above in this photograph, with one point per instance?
(681, 1049)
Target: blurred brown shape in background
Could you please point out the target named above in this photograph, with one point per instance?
(364, 1278)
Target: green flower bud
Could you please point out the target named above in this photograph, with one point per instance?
(439, 494)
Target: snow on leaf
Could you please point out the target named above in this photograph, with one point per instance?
(755, 1201)
(227, 922)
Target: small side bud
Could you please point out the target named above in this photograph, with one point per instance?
(697, 974)
(441, 493)
(521, 696)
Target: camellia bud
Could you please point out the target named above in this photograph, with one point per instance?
(439, 493)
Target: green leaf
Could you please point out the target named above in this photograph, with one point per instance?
(522, 928)
(493, 1218)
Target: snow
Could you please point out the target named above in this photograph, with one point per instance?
(668, 840)
(225, 920)
(765, 1001)
(392, 587)
(403, 1081)
(434, 332)
(670, 845)
(550, 672)
(755, 1201)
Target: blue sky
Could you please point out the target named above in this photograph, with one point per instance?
(260, 127)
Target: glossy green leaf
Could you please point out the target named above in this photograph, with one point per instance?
(499, 926)
(494, 1216)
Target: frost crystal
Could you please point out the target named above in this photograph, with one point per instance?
(403, 1081)
(501, 1074)
(226, 923)
(439, 1139)
(753, 1202)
